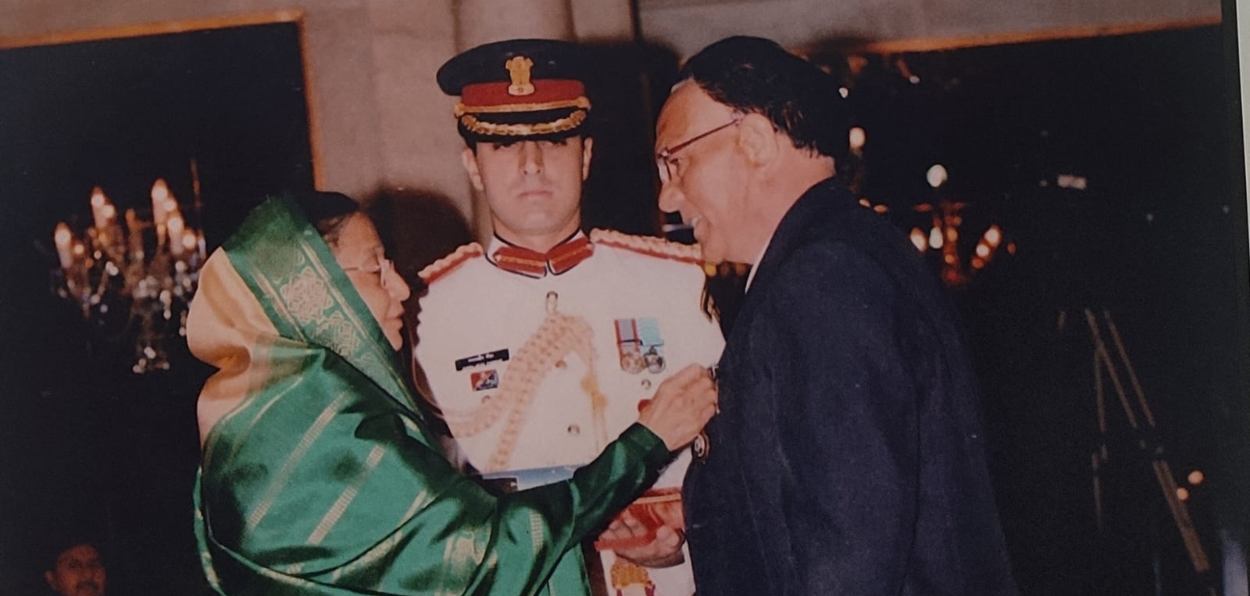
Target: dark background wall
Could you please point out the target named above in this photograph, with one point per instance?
(1157, 238)
(86, 444)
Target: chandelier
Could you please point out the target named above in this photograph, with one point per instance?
(133, 278)
(943, 236)
(940, 235)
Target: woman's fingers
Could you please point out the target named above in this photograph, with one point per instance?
(682, 405)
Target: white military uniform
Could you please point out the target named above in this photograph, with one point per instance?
(595, 340)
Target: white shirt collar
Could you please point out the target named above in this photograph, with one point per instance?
(756, 266)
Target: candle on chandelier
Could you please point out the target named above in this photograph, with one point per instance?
(101, 208)
(110, 214)
(919, 239)
(993, 236)
(176, 227)
(190, 240)
(160, 200)
(857, 137)
(62, 237)
(135, 238)
(936, 175)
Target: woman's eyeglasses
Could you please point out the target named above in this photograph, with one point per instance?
(382, 266)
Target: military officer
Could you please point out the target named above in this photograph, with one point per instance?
(541, 347)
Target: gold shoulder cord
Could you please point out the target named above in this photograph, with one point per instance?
(649, 245)
(557, 336)
(462, 253)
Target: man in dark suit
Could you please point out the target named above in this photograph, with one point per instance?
(848, 456)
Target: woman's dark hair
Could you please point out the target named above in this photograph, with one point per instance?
(757, 76)
(56, 546)
(326, 211)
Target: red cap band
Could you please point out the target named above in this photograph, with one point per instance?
(495, 94)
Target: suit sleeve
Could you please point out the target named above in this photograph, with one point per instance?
(846, 405)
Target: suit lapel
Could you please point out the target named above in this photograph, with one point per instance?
(812, 208)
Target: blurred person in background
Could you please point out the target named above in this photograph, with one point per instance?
(77, 570)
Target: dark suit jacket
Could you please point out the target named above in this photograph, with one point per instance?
(847, 457)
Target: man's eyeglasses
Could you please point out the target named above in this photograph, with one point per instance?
(664, 162)
(383, 266)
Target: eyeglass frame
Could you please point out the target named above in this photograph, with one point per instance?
(662, 164)
(385, 267)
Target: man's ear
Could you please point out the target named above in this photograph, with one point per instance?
(468, 159)
(587, 151)
(48, 577)
(758, 140)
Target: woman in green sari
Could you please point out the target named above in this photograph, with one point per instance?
(319, 475)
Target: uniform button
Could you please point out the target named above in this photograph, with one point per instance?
(646, 383)
(574, 430)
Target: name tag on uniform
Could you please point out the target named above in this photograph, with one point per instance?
(487, 358)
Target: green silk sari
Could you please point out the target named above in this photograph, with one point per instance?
(321, 477)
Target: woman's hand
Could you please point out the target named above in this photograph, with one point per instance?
(681, 407)
(660, 547)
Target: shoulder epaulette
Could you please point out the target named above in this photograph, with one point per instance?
(449, 263)
(650, 245)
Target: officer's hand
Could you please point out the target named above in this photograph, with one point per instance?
(681, 407)
(663, 550)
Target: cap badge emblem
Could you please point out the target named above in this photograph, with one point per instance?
(519, 70)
